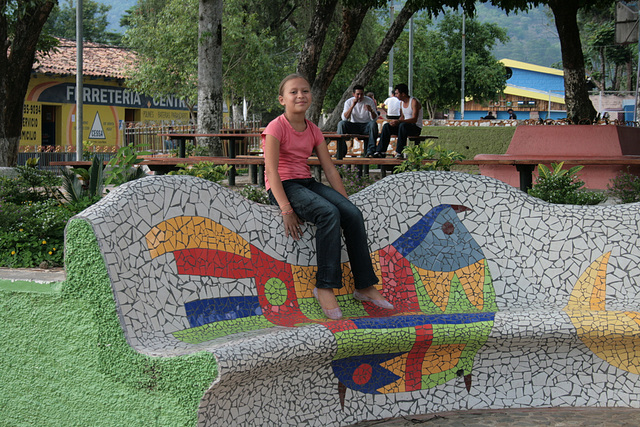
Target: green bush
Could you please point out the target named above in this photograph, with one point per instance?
(205, 170)
(625, 187)
(352, 182)
(442, 159)
(33, 233)
(31, 184)
(557, 185)
(255, 194)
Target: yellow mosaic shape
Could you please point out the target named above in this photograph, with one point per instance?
(614, 336)
(194, 232)
(397, 365)
(304, 280)
(441, 358)
(472, 280)
(438, 286)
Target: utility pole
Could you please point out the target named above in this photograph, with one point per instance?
(79, 88)
(391, 16)
(463, 59)
(410, 83)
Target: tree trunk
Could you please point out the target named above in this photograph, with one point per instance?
(351, 22)
(210, 72)
(313, 44)
(370, 68)
(15, 71)
(579, 106)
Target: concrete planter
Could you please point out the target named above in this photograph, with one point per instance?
(566, 142)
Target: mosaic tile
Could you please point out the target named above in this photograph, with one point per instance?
(501, 300)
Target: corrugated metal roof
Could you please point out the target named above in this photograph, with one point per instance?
(532, 93)
(99, 60)
(531, 67)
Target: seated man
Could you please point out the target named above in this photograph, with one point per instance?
(359, 117)
(392, 106)
(409, 123)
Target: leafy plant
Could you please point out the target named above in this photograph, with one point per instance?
(86, 189)
(205, 170)
(441, 159)
(31, 184)
(352, 182)
(254, 193)
(122, 167)
(557, 185)
(33, 233)
(625, 187)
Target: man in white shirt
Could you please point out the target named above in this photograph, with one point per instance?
(392, 107)
(409, 124)
(359, 116)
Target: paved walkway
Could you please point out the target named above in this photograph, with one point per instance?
(607, 417)
(28, 280)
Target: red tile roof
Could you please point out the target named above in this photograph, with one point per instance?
(99, 60)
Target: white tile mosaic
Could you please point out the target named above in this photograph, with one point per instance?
(489, 309)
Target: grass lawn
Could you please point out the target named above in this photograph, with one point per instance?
(50, 376)
(470, 141)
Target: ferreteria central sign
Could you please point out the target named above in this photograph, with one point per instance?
(65, 93)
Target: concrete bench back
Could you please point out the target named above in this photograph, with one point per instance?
(476, 269)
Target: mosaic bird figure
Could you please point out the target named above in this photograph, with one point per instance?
(613, 335)
(435, 275)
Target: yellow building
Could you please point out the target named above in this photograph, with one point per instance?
(49, 117)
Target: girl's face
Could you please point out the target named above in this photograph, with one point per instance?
(296, 95)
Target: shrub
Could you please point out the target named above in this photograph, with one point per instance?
(122, 166)
(442, 159)
(352, 182)
(557, 185)
(255, 193)
(205, 170)
(33, 233)
(31, 184)
(625, 187)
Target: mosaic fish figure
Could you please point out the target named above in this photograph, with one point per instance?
(613, 335)
(435, 275)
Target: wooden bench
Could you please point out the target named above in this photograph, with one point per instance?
(501, 301)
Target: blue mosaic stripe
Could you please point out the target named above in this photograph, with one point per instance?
(204, 311)
(421, 319)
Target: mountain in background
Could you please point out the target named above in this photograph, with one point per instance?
(533, 36)
(118, 8)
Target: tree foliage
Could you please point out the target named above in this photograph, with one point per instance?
(164, 34)
(437, 61)
(62, 22)
(610, 66)
(257, 49)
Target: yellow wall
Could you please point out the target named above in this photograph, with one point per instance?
(105, 103)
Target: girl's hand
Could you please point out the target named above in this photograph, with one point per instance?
(292, 225)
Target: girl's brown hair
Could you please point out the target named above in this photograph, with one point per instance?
(286, 79)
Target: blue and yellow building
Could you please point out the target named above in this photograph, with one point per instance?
(532, 92)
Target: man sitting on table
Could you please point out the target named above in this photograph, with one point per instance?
(409, 123)
(359, 117)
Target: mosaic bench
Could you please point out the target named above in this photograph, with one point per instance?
(502, 300)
